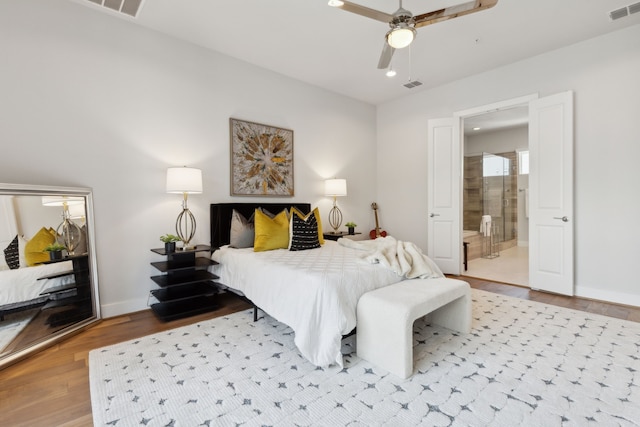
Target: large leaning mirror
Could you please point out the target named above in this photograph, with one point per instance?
(48, 271)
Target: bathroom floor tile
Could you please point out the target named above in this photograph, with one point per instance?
(512, 266)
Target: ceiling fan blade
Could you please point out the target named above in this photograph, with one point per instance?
(385, 56)
(452, 12)
(365, 11)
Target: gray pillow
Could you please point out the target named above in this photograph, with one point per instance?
(242, 231)
(81, 247)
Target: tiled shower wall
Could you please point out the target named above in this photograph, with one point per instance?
(473, 198)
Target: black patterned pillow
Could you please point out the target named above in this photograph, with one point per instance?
(304, 233)
(12, 254)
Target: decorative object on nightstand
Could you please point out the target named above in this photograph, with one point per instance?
(335, 188)
(55, 251)
(351, 227)
(185, 181)
(169, 241)
(69, 233)
(376, 232)
(186, 287)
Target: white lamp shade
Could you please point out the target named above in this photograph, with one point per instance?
(61, 200)
(184, 180)
(77, 211)
(335, 187)
(400, 37)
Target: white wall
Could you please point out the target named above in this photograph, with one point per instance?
(94, 101)
(603, 73)
(498, 141)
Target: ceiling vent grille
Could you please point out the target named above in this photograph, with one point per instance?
(624, 11)
(412, 84)
(130, 8)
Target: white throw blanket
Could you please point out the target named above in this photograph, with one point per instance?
(403, 258)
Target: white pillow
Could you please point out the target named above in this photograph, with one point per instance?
(21, 245)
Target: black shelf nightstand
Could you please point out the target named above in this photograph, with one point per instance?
(73, 298)
(335, 236)
(186, 288)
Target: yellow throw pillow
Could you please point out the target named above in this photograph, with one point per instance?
(316, 213)
(34, 247)
(271, 233)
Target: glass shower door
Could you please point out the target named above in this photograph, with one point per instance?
(496, 180)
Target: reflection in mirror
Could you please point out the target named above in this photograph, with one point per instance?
(48, 275)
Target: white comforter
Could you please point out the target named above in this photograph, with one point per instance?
(315, 291)
(404, 258)
(24, 284)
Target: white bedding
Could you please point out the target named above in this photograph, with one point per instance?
(315, 291)
(22, 284)
(404, 258)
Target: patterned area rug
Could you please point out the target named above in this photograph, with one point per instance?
(523, 364)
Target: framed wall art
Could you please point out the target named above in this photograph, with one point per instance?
(261, 159)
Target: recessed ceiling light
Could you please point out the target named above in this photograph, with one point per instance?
(391, 72)
(476, 128)
(335, 3)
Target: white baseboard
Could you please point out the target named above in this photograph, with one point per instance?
(604, 295)
(124, 307)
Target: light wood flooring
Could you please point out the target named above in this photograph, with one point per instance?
(51, 388)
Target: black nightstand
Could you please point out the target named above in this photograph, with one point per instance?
(186, 288)
(339, 234)
(74, 297)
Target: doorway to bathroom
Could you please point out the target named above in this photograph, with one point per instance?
(495, 196)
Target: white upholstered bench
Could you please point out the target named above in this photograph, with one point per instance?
(384, 333)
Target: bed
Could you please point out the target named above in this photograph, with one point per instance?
(315, 292)
(23, 288)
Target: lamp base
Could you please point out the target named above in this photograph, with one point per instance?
(186, 228)
(335, 218)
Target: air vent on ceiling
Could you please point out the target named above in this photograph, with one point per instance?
(127, 7)
(412, 84)
(624, 11)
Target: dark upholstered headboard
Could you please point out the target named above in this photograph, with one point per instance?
(221, 216)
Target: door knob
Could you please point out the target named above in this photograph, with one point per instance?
(433, 214)
(563, 218)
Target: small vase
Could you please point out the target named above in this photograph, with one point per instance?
(351, 230)
(170, 247)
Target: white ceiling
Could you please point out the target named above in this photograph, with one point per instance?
(339, 51)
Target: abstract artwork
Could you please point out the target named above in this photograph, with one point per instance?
(261, 159)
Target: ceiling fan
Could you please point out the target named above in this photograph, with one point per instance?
(403, 24)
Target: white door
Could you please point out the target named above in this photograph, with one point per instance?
(551, 194)
(444, 194)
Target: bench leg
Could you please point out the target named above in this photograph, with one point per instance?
(385, 341)
(455, 315)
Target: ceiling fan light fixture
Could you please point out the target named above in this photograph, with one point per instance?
(401, 36)
(336, 3)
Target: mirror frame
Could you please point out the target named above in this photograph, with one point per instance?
(87, 193)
